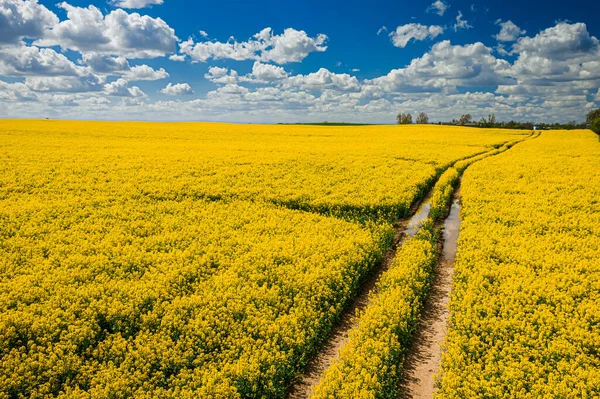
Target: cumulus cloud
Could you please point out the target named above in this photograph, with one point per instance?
(562, 41)
(446, 67)
(145, 72)
(291, 46)
(20, 19)
(177, 89)
(33, 61)
(405, 33)
(177, 57)
(221, 75)
(117, 33)
(509, 32)
(560, 54)
(461, 23)
(119, 66)
(16, 92)
(324, 79)
(136, 3)
(438, 7)
(121, 88)
(555, 76)
(66, 84)
(267, 72)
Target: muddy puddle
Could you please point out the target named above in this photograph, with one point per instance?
(329, 351)
(451, 230)
(415, 222)
(422, 362)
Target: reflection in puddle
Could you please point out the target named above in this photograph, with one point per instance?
(415, 222)
(422, 362)
(451, 230)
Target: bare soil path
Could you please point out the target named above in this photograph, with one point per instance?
(423, 359)
(422, 362)
(302, 388)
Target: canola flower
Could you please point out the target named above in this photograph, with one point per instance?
(193, 260)
(526, 296)
(369, 364)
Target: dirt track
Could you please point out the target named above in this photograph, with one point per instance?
(329, 351)
(423, 359)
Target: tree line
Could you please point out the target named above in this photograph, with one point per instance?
(592, 122)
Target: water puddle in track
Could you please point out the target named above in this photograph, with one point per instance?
(423, 359)
(301, 388)
(414, 224)
(451, 230)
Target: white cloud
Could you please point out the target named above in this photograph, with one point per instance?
(33, 61)
(66, 84)
(221, 75)
(19, 19)
(555, 76)
(291, 46)
(438, 7)
(136, 3)
(445, 67)
(121, 88)
(177, 89)
(461, 23)
(177, 57)
(502, 50)
(382, 29)
(562, 41)
(144, 72)
(561, 55)
(16, 92)
(324, 79)
(405, 33)
(267, 72)
(119, 66)
(509, 32)
(203, 33)
(118, 33)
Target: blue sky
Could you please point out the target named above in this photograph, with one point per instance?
(182, 60)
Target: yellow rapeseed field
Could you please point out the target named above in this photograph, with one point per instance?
(525, 308)
(369, 363)
(194, 260)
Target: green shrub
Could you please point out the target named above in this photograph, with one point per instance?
(595, 125)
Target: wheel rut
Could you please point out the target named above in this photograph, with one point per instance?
(302, 386)
(422, 362)
(423, 358)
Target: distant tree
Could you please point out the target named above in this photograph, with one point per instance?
(592, 115)
(464, 119)
(527, 125)
(422, 118)
(595, 125)
(491, 120)
(404, 119)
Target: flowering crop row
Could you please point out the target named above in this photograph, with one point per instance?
(366, 172)
(170, 260)
(444, 187)
(526, 297)
(368, 365)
